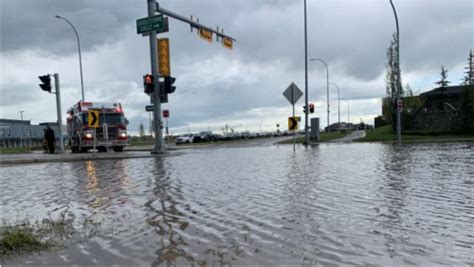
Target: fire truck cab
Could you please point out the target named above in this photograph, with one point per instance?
(111, 133)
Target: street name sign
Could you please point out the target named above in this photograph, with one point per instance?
(292, 93)
(293, 123)
(93, 118)
(149, 108)
(148, 24)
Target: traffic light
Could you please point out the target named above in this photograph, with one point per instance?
(169, 88)
(304, 109)
(46, 80)
(311, 108)
(399, 104)
(148, 83)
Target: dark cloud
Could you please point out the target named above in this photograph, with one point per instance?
(213, 82)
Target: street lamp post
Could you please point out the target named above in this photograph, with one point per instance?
(399, 121)
(79, 49)
(327, 82)
(306, 123)
(338, 105)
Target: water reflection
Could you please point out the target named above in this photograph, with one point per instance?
(167, 220)
(348, 204)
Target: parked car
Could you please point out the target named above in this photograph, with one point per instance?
(184, 139)
(245, 135)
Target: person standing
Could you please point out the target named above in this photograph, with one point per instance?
(50, 139)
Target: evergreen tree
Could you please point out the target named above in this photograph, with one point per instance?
(141, 130)
(469, 78)
(392, 76)
(443, 83)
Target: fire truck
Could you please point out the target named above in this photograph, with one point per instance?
(111, 133)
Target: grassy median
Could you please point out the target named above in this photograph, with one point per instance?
(386, 134)
(324, 137)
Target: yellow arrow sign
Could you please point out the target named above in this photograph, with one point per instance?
(163, 47)
(293, 124)
(93, 118)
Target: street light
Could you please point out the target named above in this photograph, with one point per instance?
(399, 120)
(79, 49)
(306, 123)
(327, 82)
(338, 104)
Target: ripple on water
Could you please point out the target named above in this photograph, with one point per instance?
(334, 204)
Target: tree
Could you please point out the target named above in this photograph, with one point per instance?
(392, 75)
(469, 78)
(225, 129)
(467, 108)
(407, 90)
(443, 83)
(141, 130)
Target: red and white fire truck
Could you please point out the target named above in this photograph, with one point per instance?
(111, 133)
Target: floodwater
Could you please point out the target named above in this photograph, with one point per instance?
(332, 204)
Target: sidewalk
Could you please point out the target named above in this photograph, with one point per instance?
(40, 157)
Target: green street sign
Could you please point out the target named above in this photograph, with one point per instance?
(149, 24)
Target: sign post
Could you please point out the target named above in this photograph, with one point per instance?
(293, 94)
(93, 122)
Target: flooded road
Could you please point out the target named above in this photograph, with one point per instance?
(328, 204)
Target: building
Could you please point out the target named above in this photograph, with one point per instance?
(21, 133)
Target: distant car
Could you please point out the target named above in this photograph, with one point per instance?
(245, 135)
(207, 136)
(184, 139)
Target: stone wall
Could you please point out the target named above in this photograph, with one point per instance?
(438, 115)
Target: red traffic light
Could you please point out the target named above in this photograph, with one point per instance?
(311, 108)
(399, 104)
(166, 113)
(148, 83)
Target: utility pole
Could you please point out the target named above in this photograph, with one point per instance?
(58, 107)
(399, 86)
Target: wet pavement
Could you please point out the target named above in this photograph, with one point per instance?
(328, 204)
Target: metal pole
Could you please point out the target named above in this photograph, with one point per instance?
(21, 127)
(156, 94)
(338, 105)
(58, 107)
(348, 108)
(327, 83)
(79, 49)
(293, 98)
(306, 123)
(399, 120)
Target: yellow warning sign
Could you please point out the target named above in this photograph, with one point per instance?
(163, 47)
(93, 118)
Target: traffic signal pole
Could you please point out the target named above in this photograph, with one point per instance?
(58, 107)
(156, 93)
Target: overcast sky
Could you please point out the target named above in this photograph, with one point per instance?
(216, 86)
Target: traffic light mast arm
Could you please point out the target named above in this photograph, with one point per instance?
(193, 24)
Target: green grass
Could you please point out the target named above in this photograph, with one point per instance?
(14, 150)
(324, 137)
(386, 134)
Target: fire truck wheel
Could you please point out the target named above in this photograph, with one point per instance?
(118, 149)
